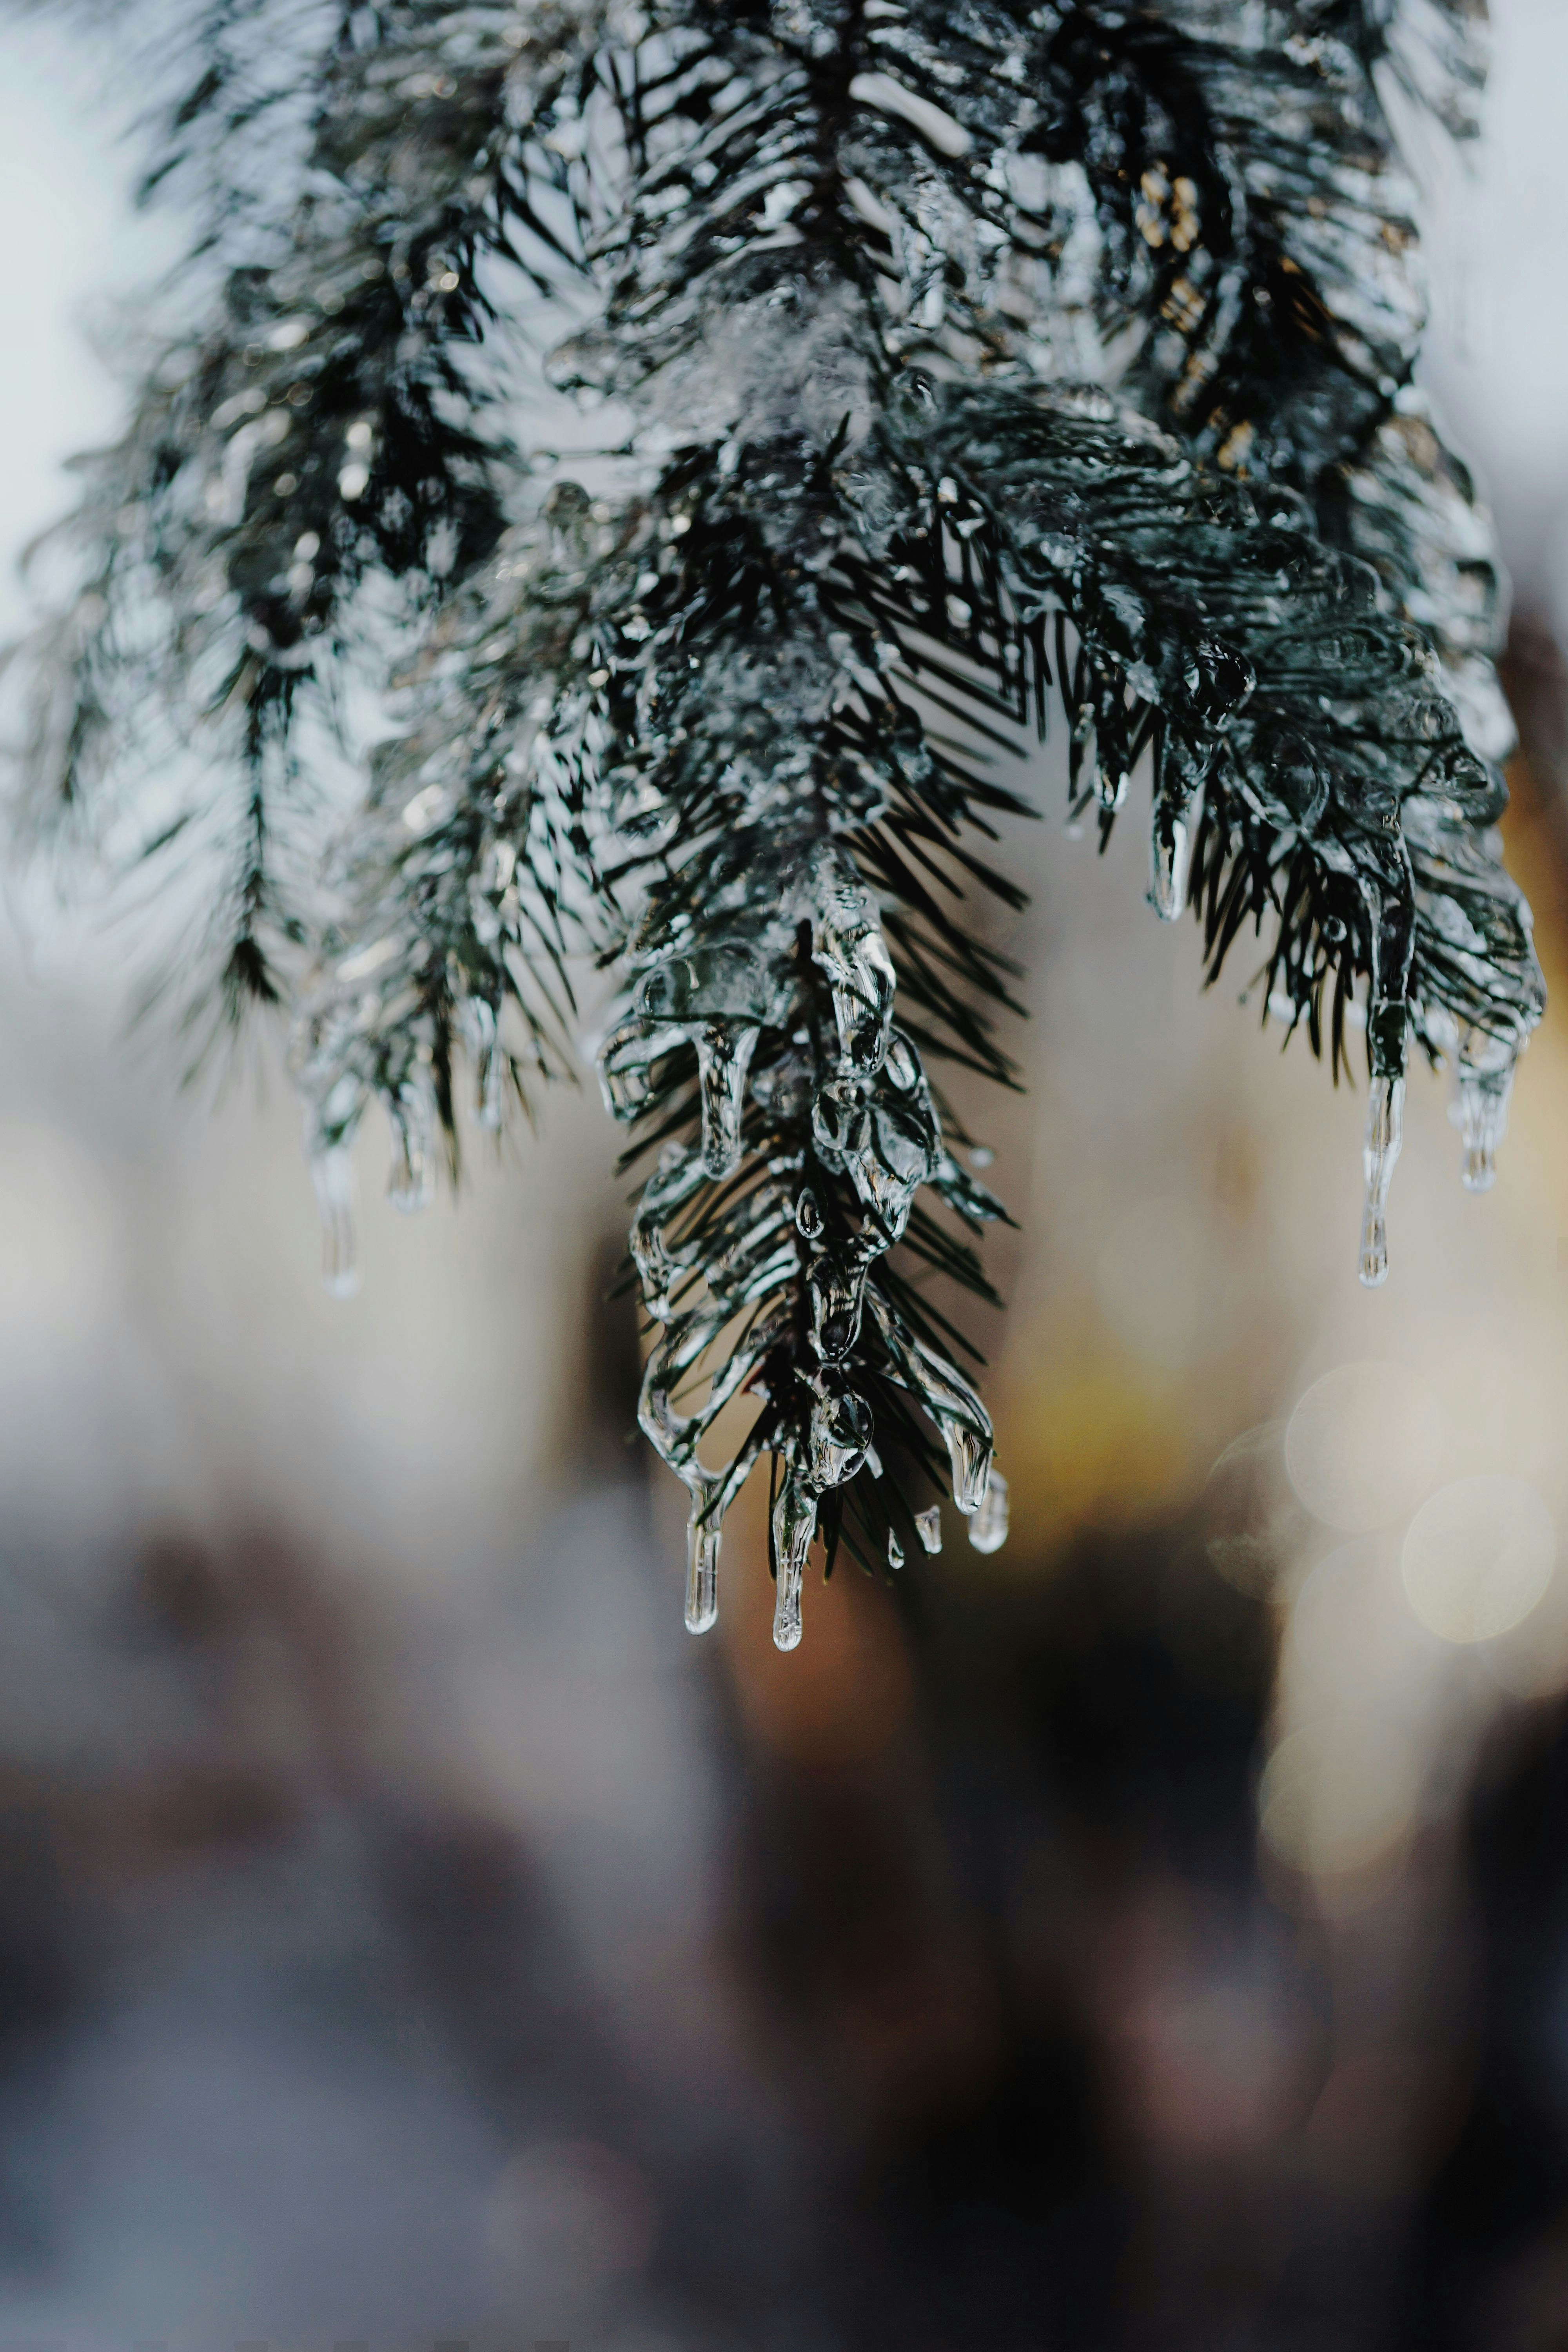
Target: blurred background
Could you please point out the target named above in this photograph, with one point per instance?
(1156, 1935)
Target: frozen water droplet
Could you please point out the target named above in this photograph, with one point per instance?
(1384, 1135)
(1483, 1118)
(702, 1540)
(794, 1524)
(331, 1173)
(724, 1050)
(411, 1181)
(988, 1527)
(928, 1526)
(1172, 855)
(895, 1550)
(969, 1459)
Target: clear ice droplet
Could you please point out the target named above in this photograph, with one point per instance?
(794, 1524)
(332, 1174)
(928, 1526)
(1170, 857)
(410, 1179)
(1384, 1135)
(988, 1527)
(1482, 1121)
(895, 1550)
(969, 1457)
(702, 1540)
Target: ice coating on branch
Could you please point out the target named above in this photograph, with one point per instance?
(1004, 361)
(847, 941)
(947, 1397)
(626, 1060)
(847, 1143)
(714, 999)
(724, 1051)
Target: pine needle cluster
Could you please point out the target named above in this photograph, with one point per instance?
(967, 369)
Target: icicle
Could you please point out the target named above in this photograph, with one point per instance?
(1171, 858)
(895, 1551)
(839, 1435)
(1385, 1134)
(968, 1450)
(794, 1524)
(332, 1174)
(988, 1527)
(1482, 1121)
(724, 1049)
(1387, 1037)
(949, 1401)
(703, 1536)
(411, 1179)
(928, 1526)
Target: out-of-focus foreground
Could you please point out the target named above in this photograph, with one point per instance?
(1153, 1935)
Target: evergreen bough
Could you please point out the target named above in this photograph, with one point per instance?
(962, 364)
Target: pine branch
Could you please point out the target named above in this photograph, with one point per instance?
(727, 719)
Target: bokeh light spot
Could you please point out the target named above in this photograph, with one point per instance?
(1364, 1444)
(1477, 1558)
(1339, 1794)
